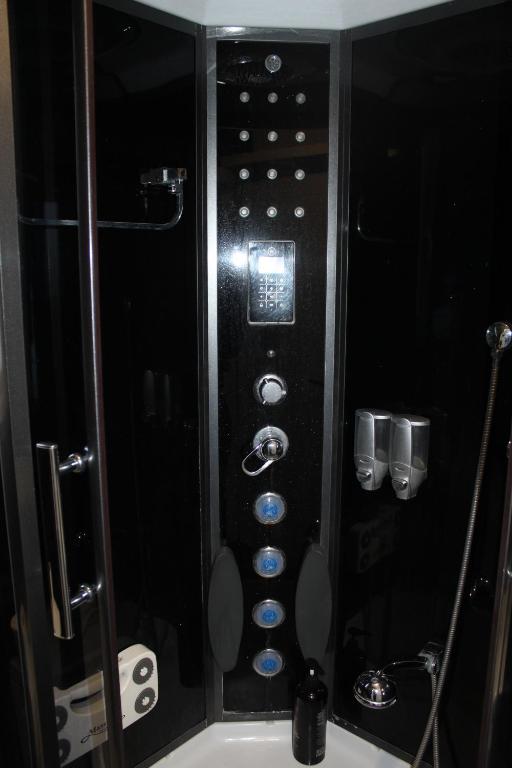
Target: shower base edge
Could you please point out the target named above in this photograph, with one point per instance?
(268, 743)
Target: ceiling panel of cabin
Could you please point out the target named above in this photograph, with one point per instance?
(321, 14)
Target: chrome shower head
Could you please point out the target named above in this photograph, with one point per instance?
(375, 690)
(499, 337)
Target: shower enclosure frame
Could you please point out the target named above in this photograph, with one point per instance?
(18, 472)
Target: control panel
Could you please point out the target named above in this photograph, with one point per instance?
(271, 292)
(272, 153)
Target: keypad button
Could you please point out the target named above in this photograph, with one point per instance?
(271, 212)
(244, 212)
(299, 174)
(244, 97)
(272, 97)
(272, 174)
(243, 135)
(272, 136)
(300, 98)
(299, 212)
(244, 173)
(300, 136)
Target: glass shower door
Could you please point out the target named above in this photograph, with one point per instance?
(110, 324)
(53, 378)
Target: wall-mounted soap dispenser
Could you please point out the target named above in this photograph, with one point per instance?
(408, 453)
(371, 446)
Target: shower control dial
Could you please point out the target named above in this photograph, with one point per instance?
(268, 614)
(272, 449)
(269, 508)
(268, 445)
(270, 389)
(269, 562)
(268, 662)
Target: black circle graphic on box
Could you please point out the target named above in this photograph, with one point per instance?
(143, 671)
(145, 701)
(61, 716)
(64, 750)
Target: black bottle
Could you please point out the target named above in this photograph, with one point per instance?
(310, 717)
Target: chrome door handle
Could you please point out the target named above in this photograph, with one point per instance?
(50, 469)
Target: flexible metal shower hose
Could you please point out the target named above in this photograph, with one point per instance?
(435, 729)
(463, 569)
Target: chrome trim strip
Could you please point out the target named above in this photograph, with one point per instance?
(272, 35)
(215, 706)
(329, 427)
(499, 645)
(16, 462)
(85, 130)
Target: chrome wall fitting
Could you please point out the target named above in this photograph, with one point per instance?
(168, 179)
(268, 446)
(375, 690)
(499, 337)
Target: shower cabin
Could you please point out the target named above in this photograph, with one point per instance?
(245, 276)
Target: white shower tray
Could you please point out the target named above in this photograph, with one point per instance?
(268, 745)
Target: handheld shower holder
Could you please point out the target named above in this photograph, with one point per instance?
(499, 337)
(376, 689)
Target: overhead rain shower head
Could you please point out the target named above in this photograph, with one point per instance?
(375, 690)
(499, 337)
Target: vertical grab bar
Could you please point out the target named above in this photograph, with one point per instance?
(49, 470)
(85, 131)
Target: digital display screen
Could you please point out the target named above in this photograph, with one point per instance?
(271, 264)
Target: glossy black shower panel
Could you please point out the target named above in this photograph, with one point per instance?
(272, 189)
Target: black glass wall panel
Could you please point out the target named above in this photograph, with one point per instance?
(145, 116)
(428, 270)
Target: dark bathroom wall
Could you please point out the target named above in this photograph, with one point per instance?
(146, 118)
(429, 268)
